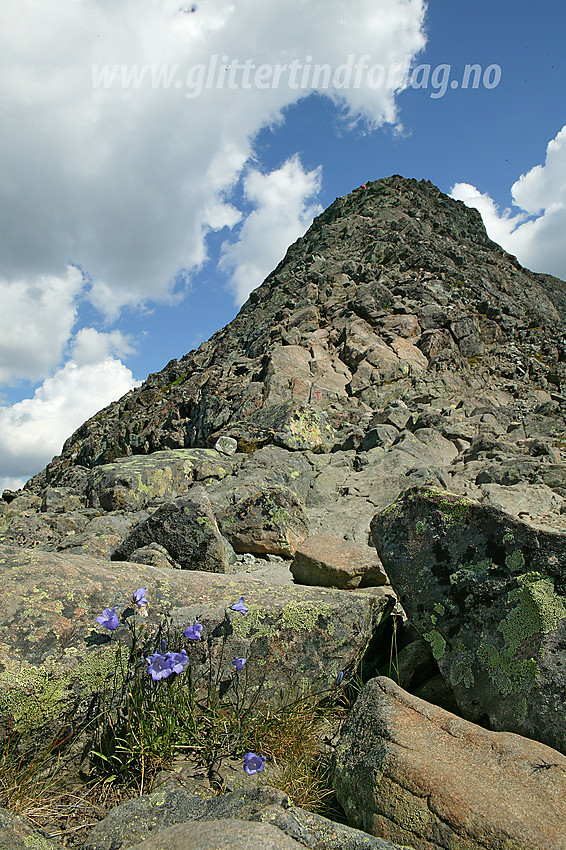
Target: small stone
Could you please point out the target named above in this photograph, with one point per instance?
(226, 445)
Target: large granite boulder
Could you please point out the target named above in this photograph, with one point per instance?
(488, 592)
(416, 774)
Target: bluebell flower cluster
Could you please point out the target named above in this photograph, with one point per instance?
(160, 665)
(163, 664)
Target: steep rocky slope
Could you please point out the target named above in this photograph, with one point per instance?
(394, 292)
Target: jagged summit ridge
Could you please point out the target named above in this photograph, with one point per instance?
(395, 291)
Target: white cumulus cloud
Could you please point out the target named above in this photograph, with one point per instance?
(284, 208)
(534, 232)
(92, 346)
(105, 163)
(36, 318)
(32, 431)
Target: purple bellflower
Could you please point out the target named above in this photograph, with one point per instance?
(178, 660)
(159, 666)
(239, 664)
(253, 764)
(194, 632)
(239, 606)
(108, 619)
(139, 597)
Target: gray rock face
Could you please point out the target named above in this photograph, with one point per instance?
(488, 592)
(416, 774)
(220, 835)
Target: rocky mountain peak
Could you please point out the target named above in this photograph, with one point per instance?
(395, 292)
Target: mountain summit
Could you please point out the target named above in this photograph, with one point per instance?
(394, 292)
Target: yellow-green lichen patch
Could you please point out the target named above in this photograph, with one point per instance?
(303, 616)
(437, 643)
(509, 674)
(538, 610)
(393, 510)
(515, 560)
(454, 512)
(37, 842)
(297, 616)
(507, 538)
(36, 695)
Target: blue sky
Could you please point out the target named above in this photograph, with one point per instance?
(134, 220)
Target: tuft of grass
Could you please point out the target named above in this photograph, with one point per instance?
(28, 772)
(296, 738)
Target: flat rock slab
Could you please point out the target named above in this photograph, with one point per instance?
(330, 561)
(411, 772)
(488, 592)
(53, 655)
(220, 835)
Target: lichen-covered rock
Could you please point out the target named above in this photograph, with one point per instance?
(272, 521)
(132, 483)
(296, 426)
(54, 657)
(17, 834)
(187, 529)
(101, 535)
(488, 592)
(333, 562)
(414, 773)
